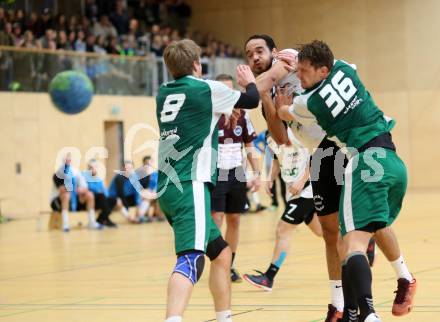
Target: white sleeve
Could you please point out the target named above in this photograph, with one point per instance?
(300, 111)
(223, 98)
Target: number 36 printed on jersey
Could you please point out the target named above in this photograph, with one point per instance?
(339, 93)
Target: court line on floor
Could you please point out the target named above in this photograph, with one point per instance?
(240, 313)
(48, 306)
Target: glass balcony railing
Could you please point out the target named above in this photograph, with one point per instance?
(31, 70)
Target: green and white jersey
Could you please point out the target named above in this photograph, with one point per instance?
(187, 111)
(342, 107)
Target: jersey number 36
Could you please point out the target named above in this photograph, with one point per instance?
(336, 94)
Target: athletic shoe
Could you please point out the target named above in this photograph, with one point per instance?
(260, 280)
(371, 252)
(107, 223)
(66, 230)
(258, 208)
(372, 317)
(403, 303)
(144, 219)
(333, 315)
(235, 276)
(95, 226)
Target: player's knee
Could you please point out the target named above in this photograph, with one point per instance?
(224, 259)
(190, 264)
(233, 220)
(283, 230)
(218, 247)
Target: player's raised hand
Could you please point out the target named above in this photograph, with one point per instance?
(289, 58)
(231, 122)
(244, 75)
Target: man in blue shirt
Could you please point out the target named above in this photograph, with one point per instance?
(125, 191)
(97, 187)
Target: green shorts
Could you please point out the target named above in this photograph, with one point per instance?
(374, 186)
(189, 213)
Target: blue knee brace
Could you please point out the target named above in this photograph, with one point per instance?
(190, 265)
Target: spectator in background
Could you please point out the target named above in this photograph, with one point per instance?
(91, 10)
(2, 19)
(17, 35)
(113, 46)
(90, 44)
(133, 29)
(70, 193)
(63, 42)
(80, 45)
(73, 24)
(124, 192)
(20, 18)
(100, 45)
(46, 20)
(61, 23)
(157, 46)
(148, 180)
(49, 36)
(96, 186)
(119, 18)
(29, 41)
(128, 47)
(147, 11)
(34, 25)
(85, 25)
(104, 28)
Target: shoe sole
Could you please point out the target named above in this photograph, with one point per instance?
(265, 288)
(239, 280)
(409, 308)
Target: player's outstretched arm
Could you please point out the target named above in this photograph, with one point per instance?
(274, 123)
(270, 78)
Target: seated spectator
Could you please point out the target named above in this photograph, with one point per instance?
(80, 45)
(46, 20)
(157, 46)
(70, 193)
(148, 180)
(63, 42)
(90, 44)
(61, 23)
(113, 46)
(133, 29)
(96, 186)
(124, 192)
(104, 28)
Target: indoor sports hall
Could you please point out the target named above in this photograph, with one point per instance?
(78, 121)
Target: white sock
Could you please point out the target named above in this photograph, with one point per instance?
(337, 294)
(224, 316)
(65, 217)
(92, 219)
(174, 319)
(256, 198)
(143, 207)
(401, 270)
(124, 212)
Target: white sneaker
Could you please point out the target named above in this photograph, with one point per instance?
(95, 226)
(372, 317)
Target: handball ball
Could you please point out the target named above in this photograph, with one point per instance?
(71, 91)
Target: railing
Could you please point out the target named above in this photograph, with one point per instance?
(31, 70)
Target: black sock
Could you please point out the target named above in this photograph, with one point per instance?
(272, 271)
(350, 303)
(359, 273)
(232, 262)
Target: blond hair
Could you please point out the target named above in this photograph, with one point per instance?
(179, 56)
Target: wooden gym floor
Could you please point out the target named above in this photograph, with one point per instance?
(121, 275)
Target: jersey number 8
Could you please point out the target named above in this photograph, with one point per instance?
(342, 90)
(171, 107)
